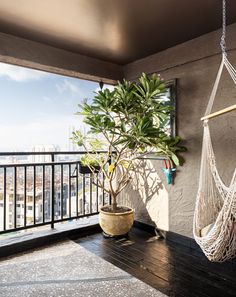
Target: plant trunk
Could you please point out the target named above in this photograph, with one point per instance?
(113, 203)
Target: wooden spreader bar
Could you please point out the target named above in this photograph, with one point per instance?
(219, 112)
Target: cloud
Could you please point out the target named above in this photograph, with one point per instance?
(43, 130)
(66, 85)
(20, 74)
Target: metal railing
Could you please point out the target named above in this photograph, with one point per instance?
(42, 190)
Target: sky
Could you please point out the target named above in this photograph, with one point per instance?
(38, 108)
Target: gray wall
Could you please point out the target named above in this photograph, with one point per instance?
(194, 64)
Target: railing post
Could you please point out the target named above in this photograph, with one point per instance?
(34, 194)
(43, 188)
(69, 191)
(77, 189)
(5, 198)
(14, 196)
(53, 190)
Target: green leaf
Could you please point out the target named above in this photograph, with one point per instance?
(175, 159)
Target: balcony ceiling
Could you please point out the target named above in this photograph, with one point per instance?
(118, 31)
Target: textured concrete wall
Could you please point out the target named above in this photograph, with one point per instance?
(194, 64)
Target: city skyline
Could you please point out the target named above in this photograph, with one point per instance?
(38, 108)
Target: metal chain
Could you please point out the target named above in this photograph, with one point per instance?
(222, 41)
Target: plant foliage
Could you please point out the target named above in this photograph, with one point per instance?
(131, 120)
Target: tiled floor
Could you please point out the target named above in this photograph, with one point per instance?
(67, 269)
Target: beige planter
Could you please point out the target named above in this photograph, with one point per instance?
(115, 224)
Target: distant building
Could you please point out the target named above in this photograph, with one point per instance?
(20, 210)
(41, 148)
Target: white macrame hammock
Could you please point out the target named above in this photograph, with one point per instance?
(215, 210)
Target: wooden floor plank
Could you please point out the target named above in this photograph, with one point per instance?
(174, 269)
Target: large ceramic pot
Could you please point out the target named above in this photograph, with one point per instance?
(116, 223)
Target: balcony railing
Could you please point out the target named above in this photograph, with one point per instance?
(44, 188)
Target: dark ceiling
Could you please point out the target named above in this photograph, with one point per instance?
(119, 31)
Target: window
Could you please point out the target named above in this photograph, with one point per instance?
(170, 99)
(170, 125)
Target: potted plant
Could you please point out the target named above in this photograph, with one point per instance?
(130, 123)
(90, 162)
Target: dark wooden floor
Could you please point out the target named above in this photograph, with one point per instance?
(171, 268)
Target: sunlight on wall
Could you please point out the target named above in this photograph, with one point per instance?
(148, 195)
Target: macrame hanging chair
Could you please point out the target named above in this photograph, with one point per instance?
(214, 225)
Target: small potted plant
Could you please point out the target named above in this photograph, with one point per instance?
(130, 123)
(90, 162)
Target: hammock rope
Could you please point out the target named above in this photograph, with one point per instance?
(214, 226)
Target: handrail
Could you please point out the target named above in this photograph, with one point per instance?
(38, 164)
(50, 153)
